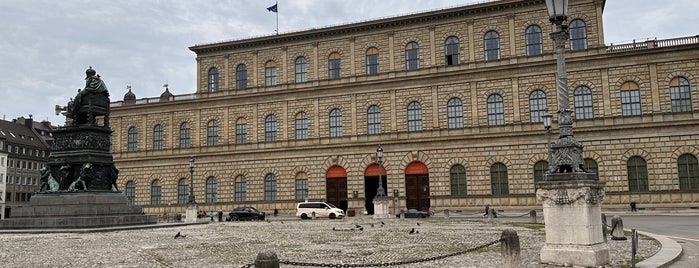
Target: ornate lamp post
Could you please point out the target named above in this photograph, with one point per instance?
(548, 120)
(570, 196)
(567, 152)
(191, 200)
(380, 191)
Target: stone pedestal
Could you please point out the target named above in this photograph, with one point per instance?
(76, 210)
(381, 207)
(572, 215)
(191, 213)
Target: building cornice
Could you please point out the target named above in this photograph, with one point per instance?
(373, 25)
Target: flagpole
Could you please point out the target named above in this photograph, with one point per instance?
(276, 3)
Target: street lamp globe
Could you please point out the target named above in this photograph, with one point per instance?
(548, 120)
(379, 153)
(558, 11)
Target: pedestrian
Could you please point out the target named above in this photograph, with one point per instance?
(487, 210)
(220, 215)
(211, 215)
(276, 212)
(633, 206)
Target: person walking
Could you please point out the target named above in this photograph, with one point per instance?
(211, 215)
(487, 210)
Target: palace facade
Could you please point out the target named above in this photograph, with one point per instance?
(454, 97)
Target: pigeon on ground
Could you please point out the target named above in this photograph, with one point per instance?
(357, 226)
(333, 228)
(412, 231)
(281, 222)
(382, 224)
(418, 224)
(372, 225)
(178, 235)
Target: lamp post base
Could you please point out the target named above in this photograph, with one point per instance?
(381, 207)
(191, 214)
(572, 214)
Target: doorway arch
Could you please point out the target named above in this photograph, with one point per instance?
(371, 183)
(336, 187)
(417, 186)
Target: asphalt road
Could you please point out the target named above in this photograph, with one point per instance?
(682, 228)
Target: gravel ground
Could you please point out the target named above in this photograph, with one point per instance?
(235, 244)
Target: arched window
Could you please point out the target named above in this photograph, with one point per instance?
(241, 76)
(534, 41)
(498, 179)
(301, 186)
(132, 140)
(578, 34)
(270, 187)
(130, 192)
(301, 126)
(211, 190)
(372, 61)
(537, 106)
(412, 56)
(591, 165)
(583, 102)
(185, 136)
(540, 167)
(158, 137)
(688, 170)
(457, 179)
(271, 128)
(300, 70)
(241, 131)
(492, 45)
(630, 99)
(455, 113)
(373, 120)
(213, 79)
(414, 116)
(496, 110)
(155, 192)
(335, 123)
(212, 133)
(240, 190)
(182, 191)
(451, 51)
(334, 69)
(680, 95)
(638, 174)
(270, 73)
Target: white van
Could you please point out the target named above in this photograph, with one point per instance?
(322, 210)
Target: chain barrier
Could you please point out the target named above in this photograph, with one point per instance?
(386, 264)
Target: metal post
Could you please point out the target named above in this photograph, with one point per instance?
(634, 246)
(380, 192)
(191, 200)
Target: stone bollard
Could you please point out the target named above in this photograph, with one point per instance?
(313, 215)
(267, 259)
(402, 214)
(532, 216)
(510, 249)
(490, 215)
(618, 228)
(446, 213)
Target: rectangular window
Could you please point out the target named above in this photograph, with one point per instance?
(334, 69)
(241, 133)
(372, 64)
(271, 76)
(630, 102)
(301, 189)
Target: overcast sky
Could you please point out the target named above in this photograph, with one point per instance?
(45, 46)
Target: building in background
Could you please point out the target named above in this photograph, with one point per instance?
(3, 179)
(25, 144)
(453, 96)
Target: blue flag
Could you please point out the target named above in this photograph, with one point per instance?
(273, 8)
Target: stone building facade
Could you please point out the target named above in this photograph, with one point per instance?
(454, 97)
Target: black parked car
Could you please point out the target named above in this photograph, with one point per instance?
(414, 213)
(245, 213)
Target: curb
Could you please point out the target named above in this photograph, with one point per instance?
(669, 252)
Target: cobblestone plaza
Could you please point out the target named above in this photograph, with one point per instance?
(235, 244)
